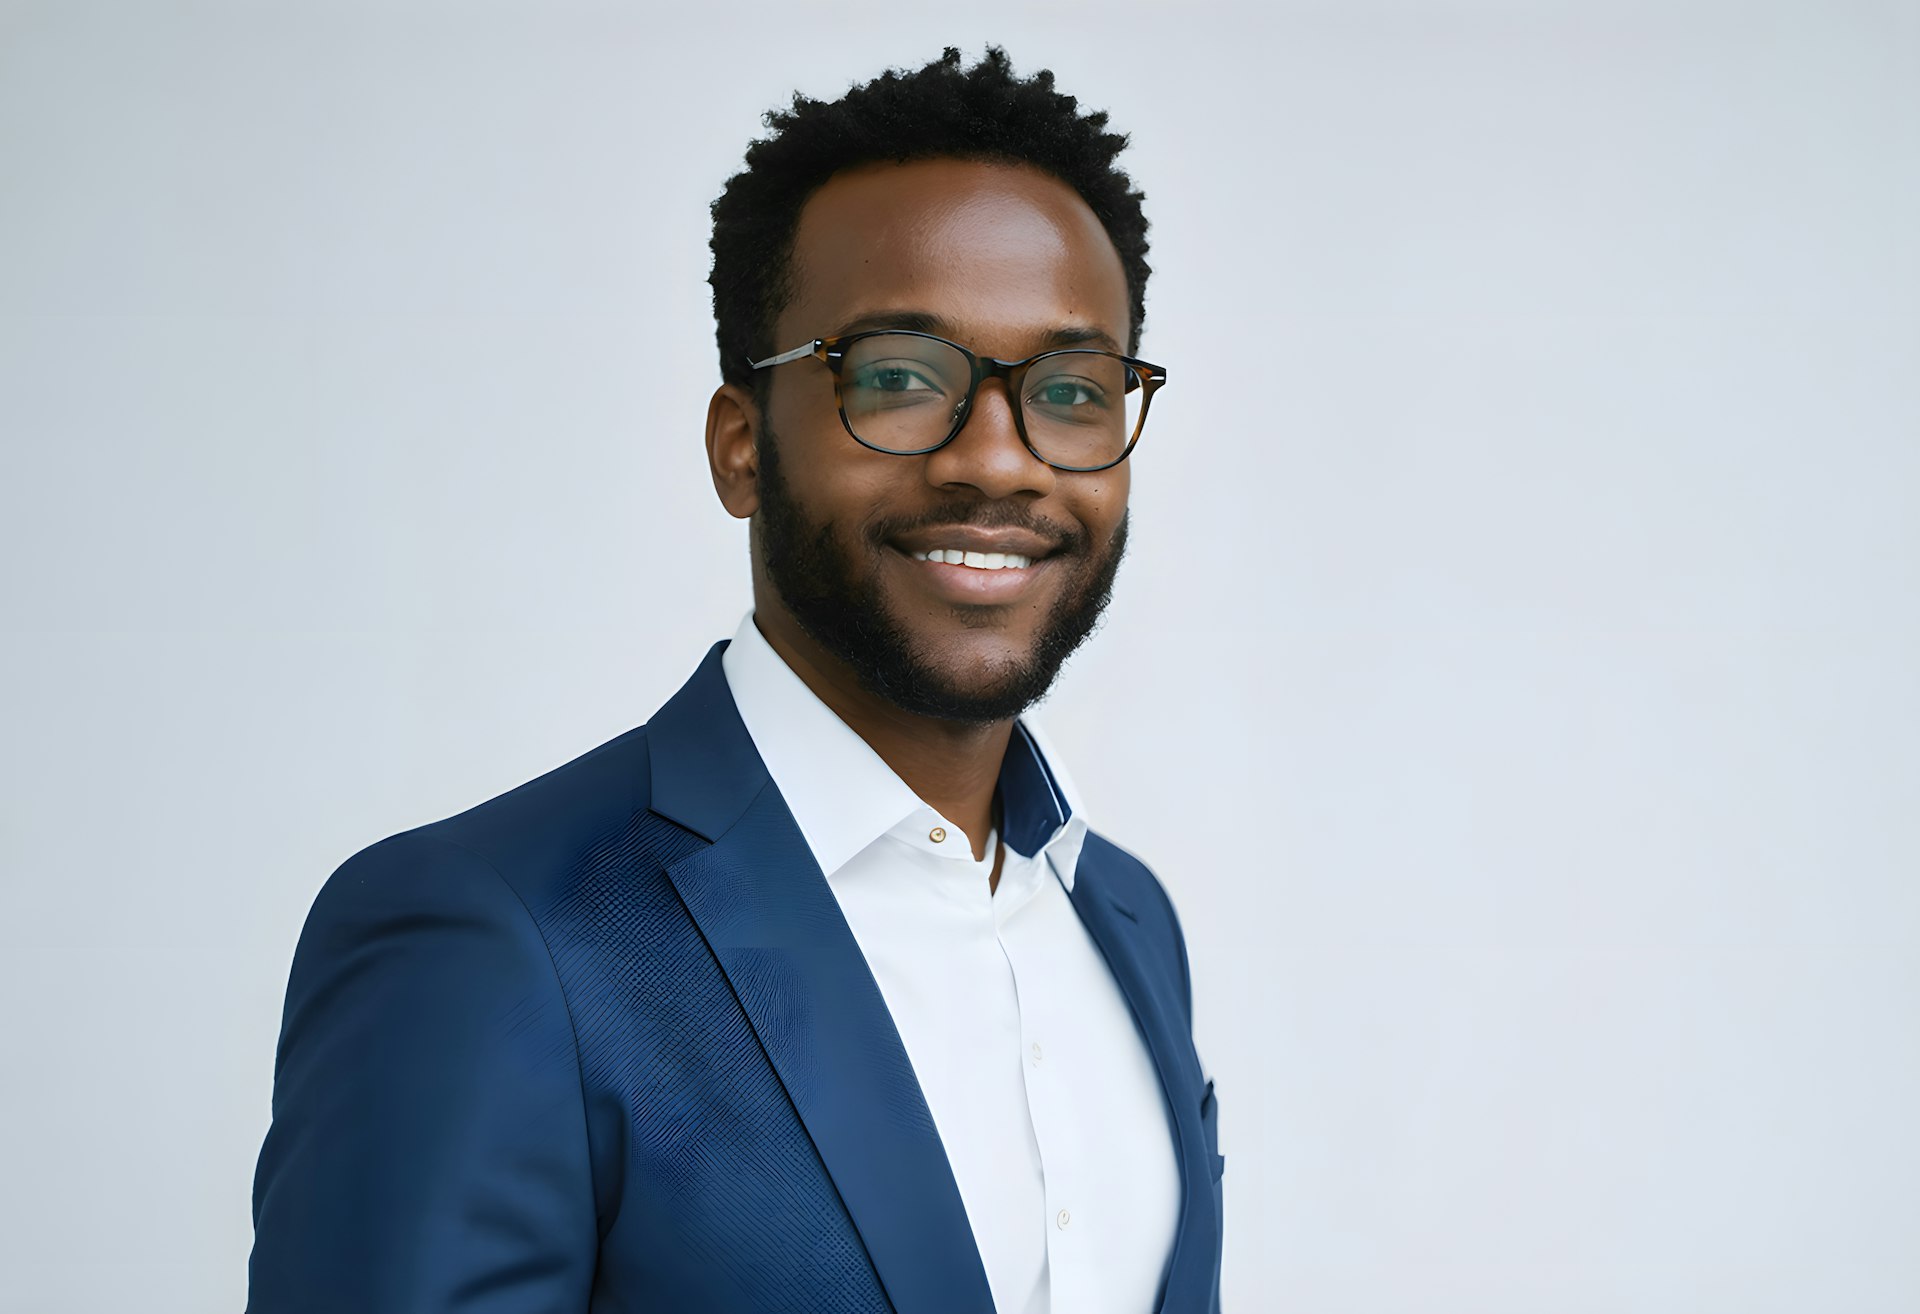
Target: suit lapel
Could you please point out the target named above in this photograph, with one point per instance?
(1116, 929)
(776, 930)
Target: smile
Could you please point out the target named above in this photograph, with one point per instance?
(977, 560)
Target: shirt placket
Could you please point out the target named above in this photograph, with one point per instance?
(1046, 1085)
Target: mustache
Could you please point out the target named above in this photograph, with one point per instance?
(980, 515)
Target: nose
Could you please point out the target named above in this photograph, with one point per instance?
(987, 453)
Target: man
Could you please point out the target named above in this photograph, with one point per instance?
(815, 992)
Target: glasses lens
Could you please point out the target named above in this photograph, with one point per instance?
(900, 391)
(1082, 408)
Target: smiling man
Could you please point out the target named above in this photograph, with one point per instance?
(815, 992)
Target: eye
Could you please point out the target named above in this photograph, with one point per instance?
(1067, 393)
(893, 377)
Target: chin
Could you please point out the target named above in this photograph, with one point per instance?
(975, 688)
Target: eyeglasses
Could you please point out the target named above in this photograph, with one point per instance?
(909, 393)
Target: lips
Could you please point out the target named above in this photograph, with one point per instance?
(979, 565)
(1000, 578)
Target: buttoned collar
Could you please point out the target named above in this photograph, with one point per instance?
(844, 796)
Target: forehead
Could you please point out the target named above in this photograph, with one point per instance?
(1004, 252)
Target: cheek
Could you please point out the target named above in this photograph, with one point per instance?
(850, 491)
(1102, 504)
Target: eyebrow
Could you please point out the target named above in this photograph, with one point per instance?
(921, 321)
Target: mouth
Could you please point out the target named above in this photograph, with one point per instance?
(973, 565)
(960, 577)
(973, 560)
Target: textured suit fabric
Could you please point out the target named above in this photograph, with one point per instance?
(604, 1043)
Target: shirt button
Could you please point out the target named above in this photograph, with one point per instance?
(1036, 1053)
(938, 835)
(1064, 1218)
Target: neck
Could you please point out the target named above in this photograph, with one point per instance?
(953, 766)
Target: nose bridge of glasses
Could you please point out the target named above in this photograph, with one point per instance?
(988, 369)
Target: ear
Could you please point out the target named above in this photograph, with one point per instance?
(733, 452)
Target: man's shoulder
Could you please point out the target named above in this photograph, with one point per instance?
(611, 778)
(534, 835)
(539, 831)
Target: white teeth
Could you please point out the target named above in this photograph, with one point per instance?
(978, 560)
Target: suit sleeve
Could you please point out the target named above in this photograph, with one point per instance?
(428, 1150)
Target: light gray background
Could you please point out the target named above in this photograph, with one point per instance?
(1513, 681)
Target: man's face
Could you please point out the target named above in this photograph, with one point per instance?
(1004, 260)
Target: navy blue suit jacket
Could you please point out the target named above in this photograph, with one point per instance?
(605, 1043)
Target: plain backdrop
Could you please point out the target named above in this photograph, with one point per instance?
(1513, 679)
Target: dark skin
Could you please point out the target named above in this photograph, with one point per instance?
(1008, 261)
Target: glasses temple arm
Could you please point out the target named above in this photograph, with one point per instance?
(785, 356)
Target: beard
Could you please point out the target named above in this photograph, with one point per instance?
(836, 598)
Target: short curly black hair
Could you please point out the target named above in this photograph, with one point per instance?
(938, 111)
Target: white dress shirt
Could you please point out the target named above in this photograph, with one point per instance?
(1043, 1092)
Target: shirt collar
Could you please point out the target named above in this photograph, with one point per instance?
(844, 796)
